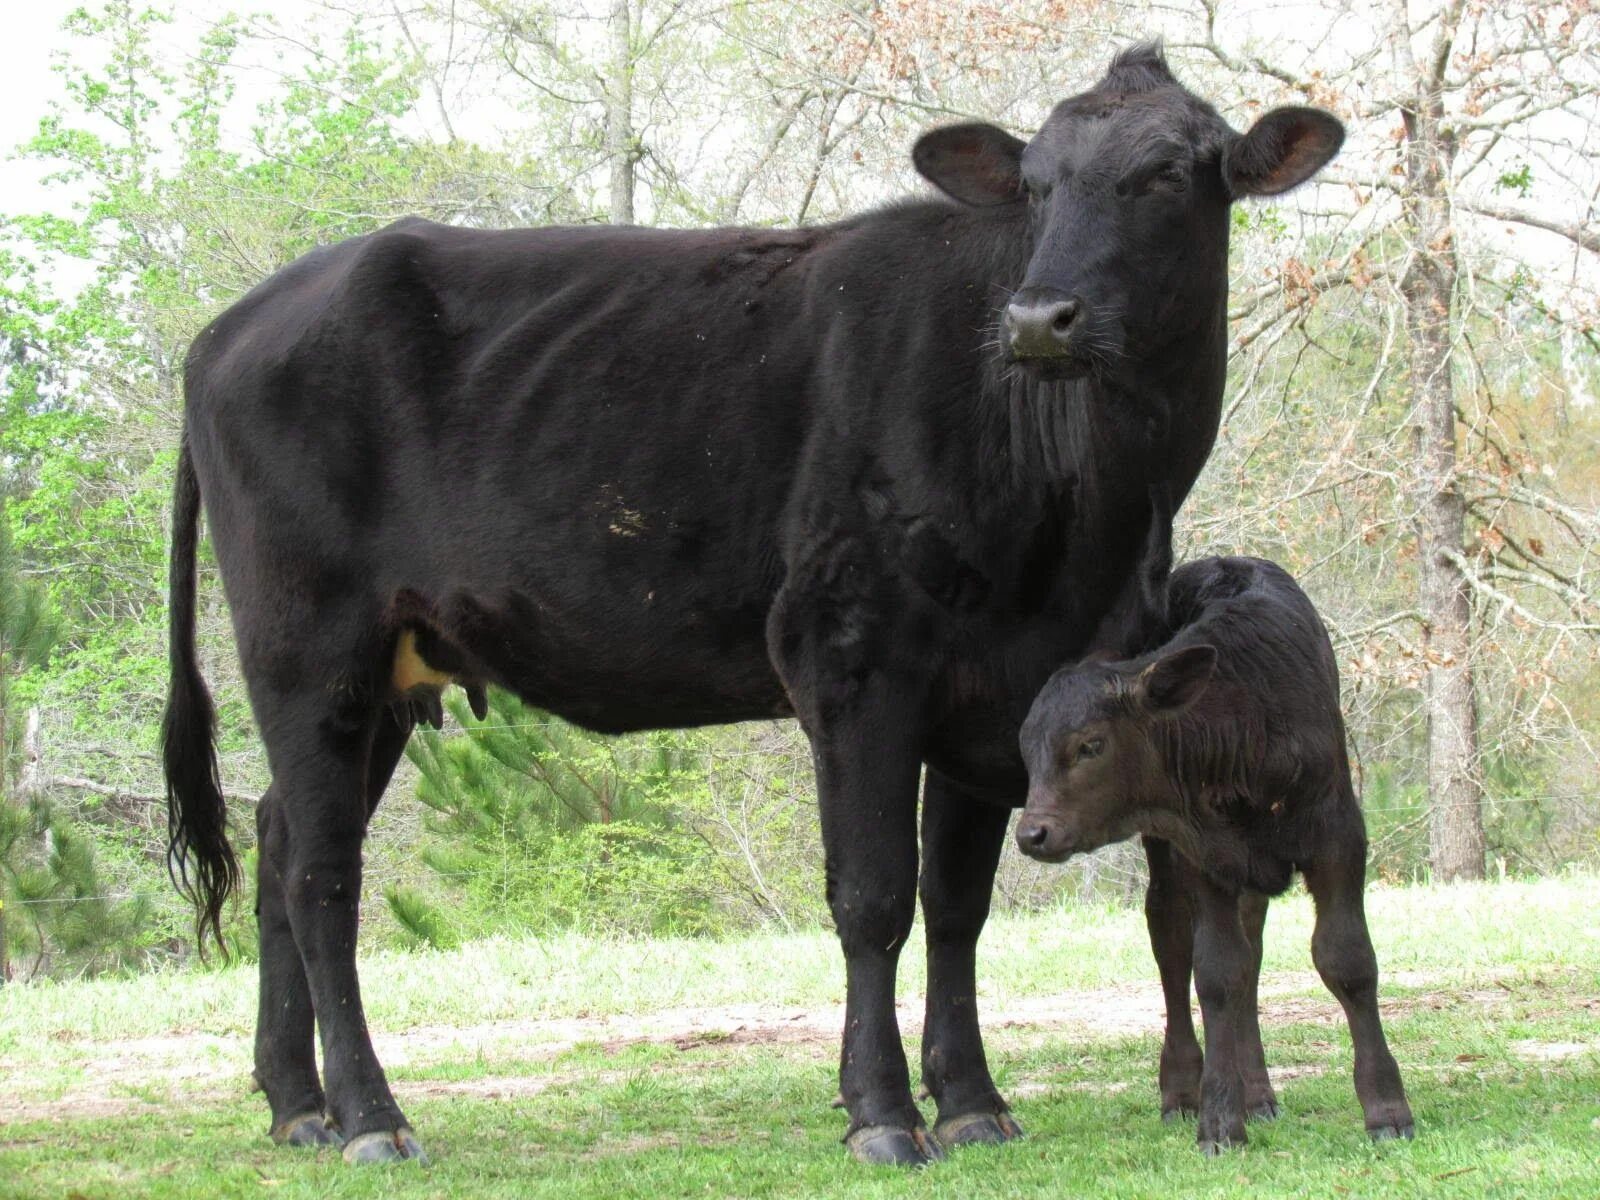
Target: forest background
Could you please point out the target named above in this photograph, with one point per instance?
(1410, 425)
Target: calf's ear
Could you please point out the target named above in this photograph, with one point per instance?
(1174, 681)
(1282, 150)
(980, 165)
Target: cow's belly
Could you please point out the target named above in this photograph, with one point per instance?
(607, 659)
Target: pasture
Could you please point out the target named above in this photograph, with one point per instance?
(575, 1068)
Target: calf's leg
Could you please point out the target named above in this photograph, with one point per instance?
(1342, 950)
(1260, 1101)
(1222, 967)
(961, 840)
(1169, 915)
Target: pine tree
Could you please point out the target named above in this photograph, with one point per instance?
(540, 825)
(52, 897)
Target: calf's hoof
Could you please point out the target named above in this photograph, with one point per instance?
(892, 1145)
(1172, 1113)
(385, 1146)
(307, 1129)
(976, 1129)
(1390, 1133)
(1263, 1110)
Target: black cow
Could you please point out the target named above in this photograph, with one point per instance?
(883, 475)
(1223, 745)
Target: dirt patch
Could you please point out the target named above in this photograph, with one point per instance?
(122, 1077)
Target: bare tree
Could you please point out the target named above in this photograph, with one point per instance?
(1451, 103)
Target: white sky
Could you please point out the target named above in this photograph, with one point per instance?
(32, 28)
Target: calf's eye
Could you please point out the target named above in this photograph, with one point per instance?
(1090, 749)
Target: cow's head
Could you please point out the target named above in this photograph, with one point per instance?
(1128, 188)
(1092, 742)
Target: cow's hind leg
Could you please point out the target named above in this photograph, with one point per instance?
(321, 740)
(285, 1057)
(1342, 950)
(961, 841)
(286, 1063)
(1260, 1101)
(1169, 914)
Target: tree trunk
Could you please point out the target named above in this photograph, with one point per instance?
(1456, 849)
(619, 112)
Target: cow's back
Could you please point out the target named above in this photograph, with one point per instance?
(575, 450)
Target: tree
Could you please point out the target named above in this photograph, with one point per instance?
(1461, 92)
(47, 867)
(542, 826)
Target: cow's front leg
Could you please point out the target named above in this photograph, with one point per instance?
(1222, 968)
(961, 840)
(867, 790)
(864, 718)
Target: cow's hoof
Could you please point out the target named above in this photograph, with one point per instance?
(308, 1129)
(977, 1129)
(1214, 1136)
(893, 1146)
(1390, 1133)
(385, 1146)
(1172, 1114)
(1263, 1110)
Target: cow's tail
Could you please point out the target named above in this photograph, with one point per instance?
(199, 858)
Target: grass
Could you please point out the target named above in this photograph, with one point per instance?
(534, 1069)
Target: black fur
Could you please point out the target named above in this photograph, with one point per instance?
(1222, 741)
(650, 478)
(199, 858)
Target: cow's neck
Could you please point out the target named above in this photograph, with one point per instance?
(1107, 440)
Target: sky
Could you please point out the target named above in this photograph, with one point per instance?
(26, 84)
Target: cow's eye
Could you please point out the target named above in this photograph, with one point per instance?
(1173, 176)
(1090, 749)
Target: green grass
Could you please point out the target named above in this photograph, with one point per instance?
(1493, 1009)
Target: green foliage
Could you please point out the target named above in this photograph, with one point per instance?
(48, 877)
(423, 922)
(538, 825)
(1518, 180)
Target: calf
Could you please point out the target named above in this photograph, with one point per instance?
(1225, 748)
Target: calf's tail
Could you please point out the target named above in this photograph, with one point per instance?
(199, 859)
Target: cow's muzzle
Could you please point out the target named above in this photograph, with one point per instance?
(1042, 325)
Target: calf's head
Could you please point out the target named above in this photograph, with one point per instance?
(1092, 743)
(1128, 187)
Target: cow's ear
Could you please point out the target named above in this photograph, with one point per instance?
(979, 165)
(1174, 681)
(1282, 150)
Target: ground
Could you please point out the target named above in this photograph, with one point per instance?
(572, 1068)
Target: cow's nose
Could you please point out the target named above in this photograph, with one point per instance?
(1032, 834)
(1041, 326)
